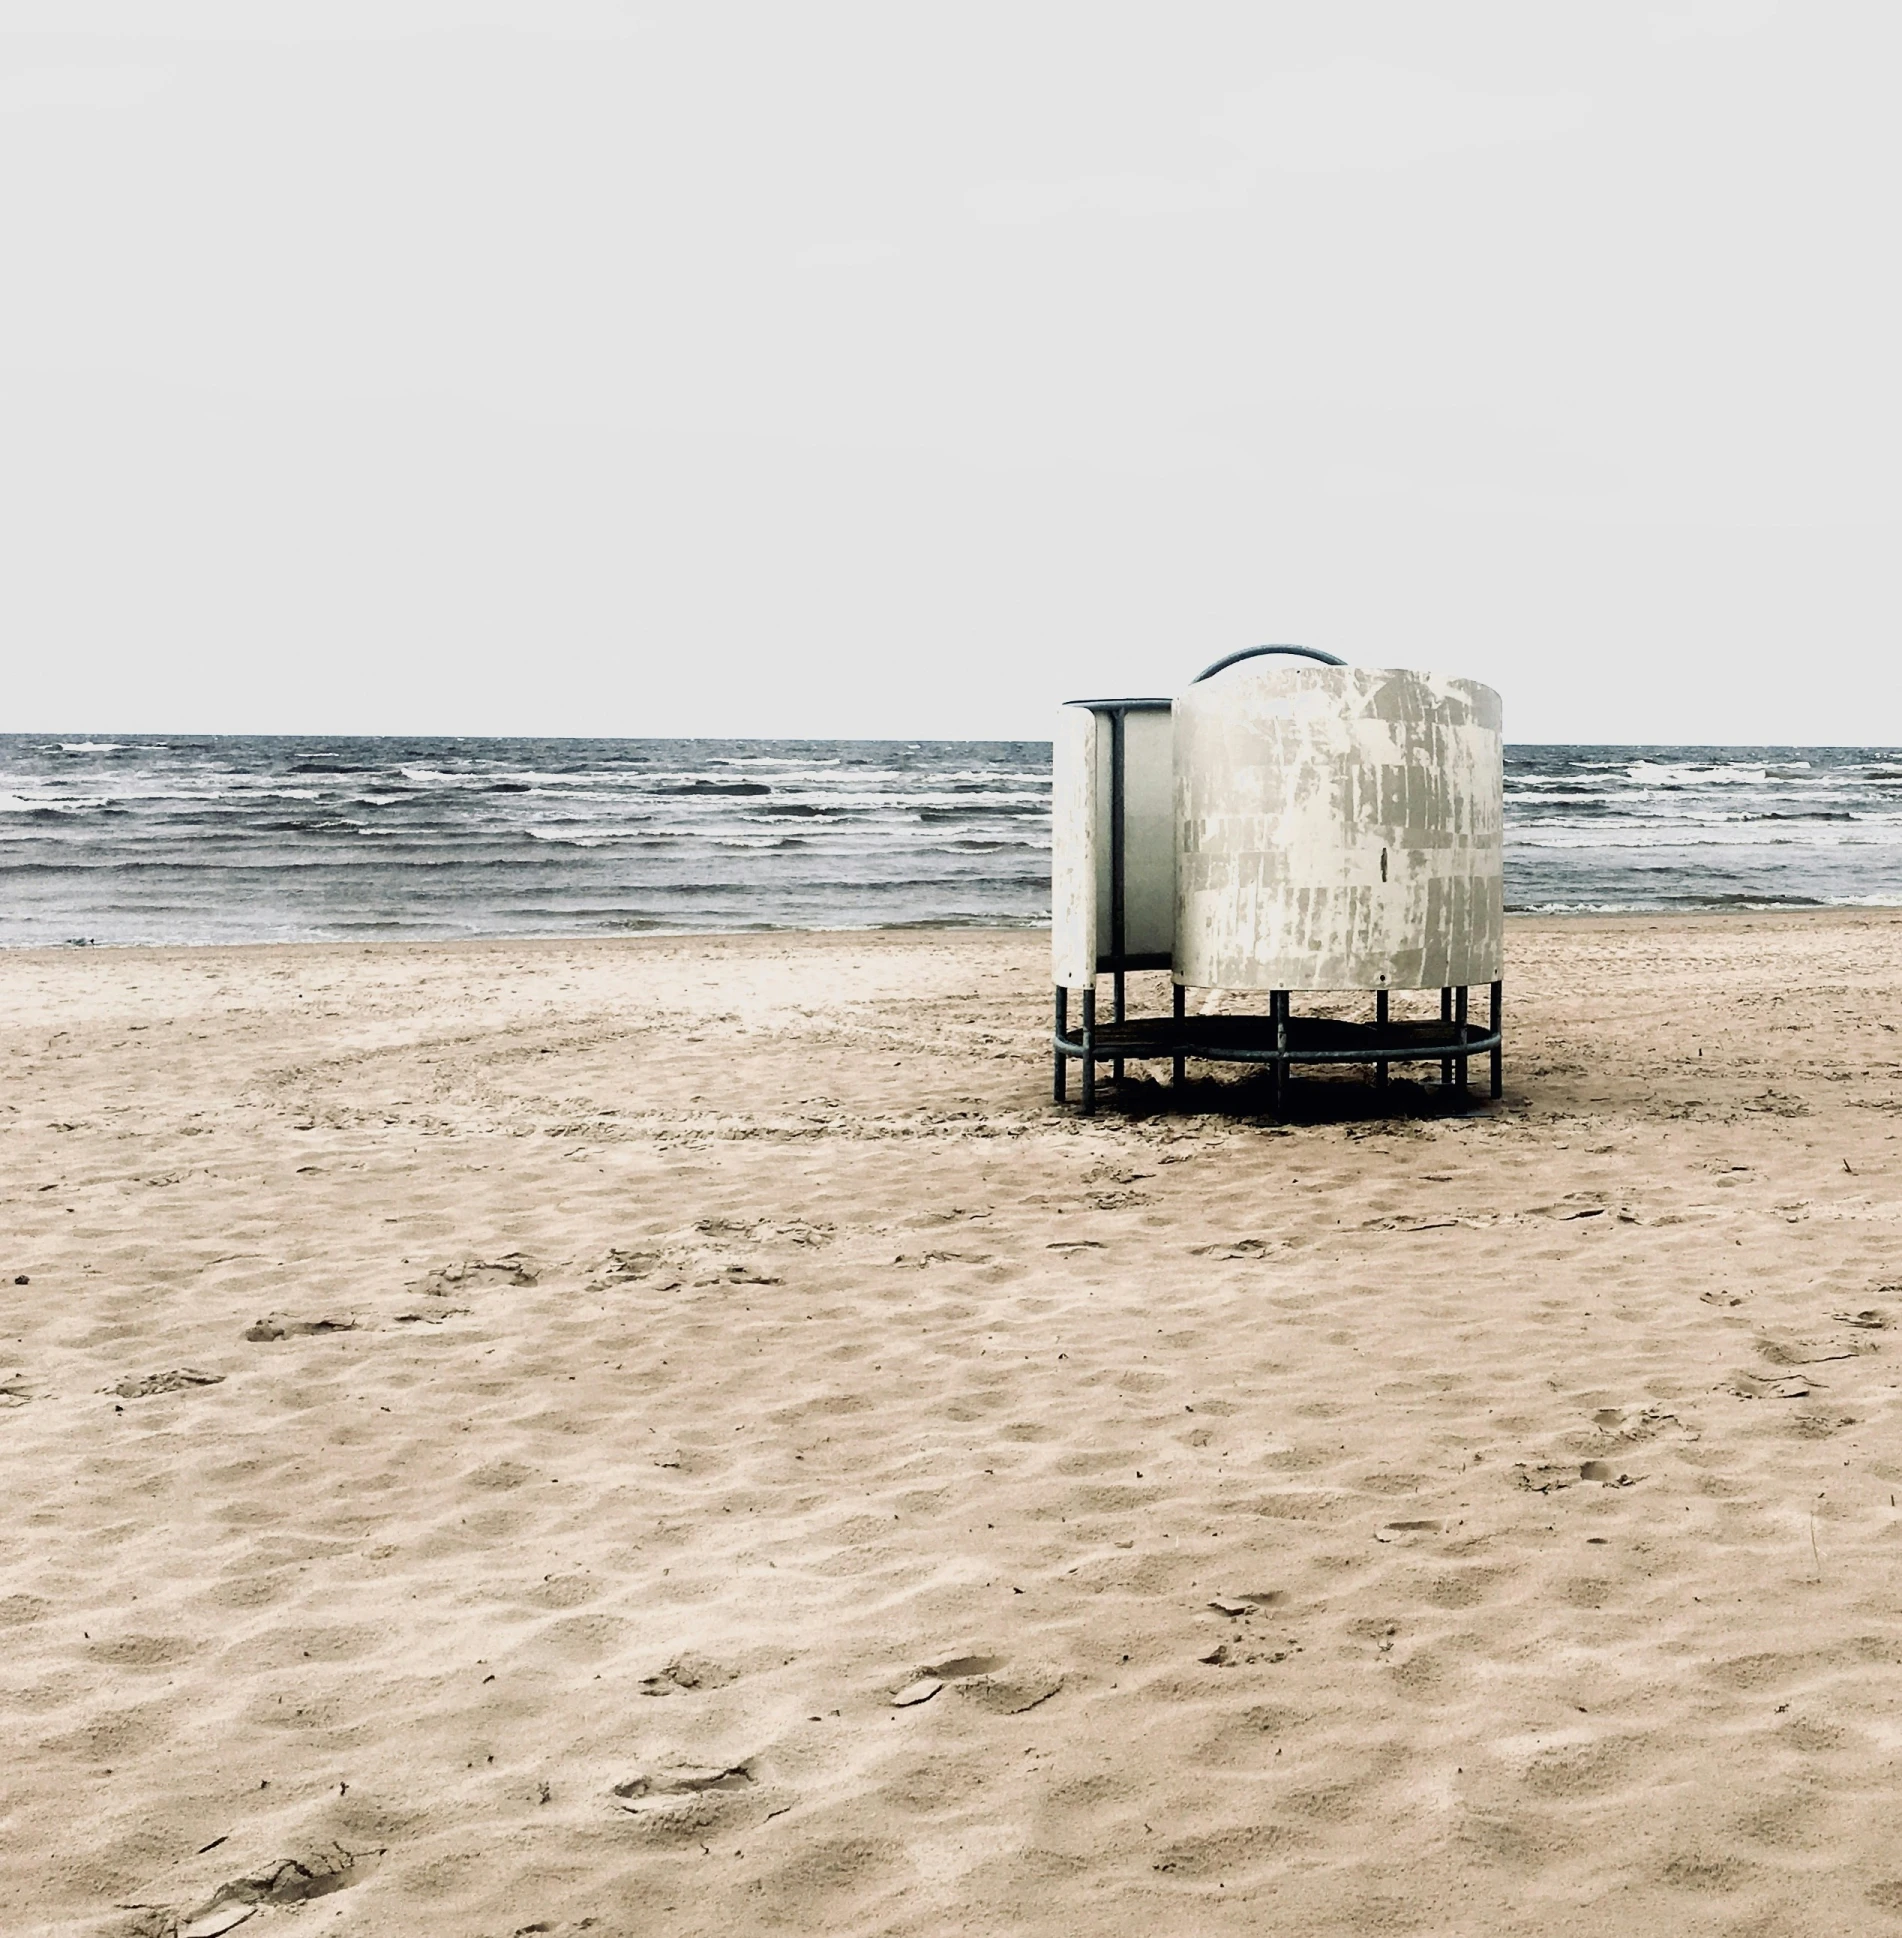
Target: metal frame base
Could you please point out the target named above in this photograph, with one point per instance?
(1279, 1041)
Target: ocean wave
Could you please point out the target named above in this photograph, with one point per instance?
(967, 810)
(772, 760)
(1692, 905)
(235, 839)
(1728, 831)
(41, 809)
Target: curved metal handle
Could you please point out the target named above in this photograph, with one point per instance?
(1255, 652)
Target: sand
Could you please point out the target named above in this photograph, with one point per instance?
(678, 1436)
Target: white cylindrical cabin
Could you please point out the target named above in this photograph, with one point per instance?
(1337, 827)
(1083, 841)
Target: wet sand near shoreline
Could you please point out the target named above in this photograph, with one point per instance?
(678, 1435)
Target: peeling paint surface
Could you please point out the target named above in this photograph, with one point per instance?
(1338, 828)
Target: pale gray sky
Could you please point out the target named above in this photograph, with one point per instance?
(576, 367)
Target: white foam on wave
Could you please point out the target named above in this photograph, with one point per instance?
(558, 839)
(49, 804)
(1734, 833)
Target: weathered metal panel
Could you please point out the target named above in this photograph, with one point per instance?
(1081, 922)
(1074, 841)
(1338, 828)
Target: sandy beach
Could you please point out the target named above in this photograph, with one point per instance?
(680, 1436)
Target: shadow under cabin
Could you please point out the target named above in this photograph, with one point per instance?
(1289, 824)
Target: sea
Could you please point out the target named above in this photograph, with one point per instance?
(115, 839)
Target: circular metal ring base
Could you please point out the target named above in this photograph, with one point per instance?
(1253, 1039)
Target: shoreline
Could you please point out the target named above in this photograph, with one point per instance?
(1517, 921)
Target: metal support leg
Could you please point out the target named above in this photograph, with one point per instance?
(1446, 1017)
(1089, 1052)
(1380, 1035)
(1180, 1069)
(1459, 1023)
(1119, 862)
(1278, 1008)
(1116, 1067)
(1499, 1049)
(1059, 1071)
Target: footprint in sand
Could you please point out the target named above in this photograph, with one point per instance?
(621, 1265)
(1633, 1429)
(1766, 1386)
(1249, 1603)
(277, 1326)
(737, 1272)
(472, 1274)
(1012, 1694)
(1405, 1530)
(1791, 1350)
(1819, 1426)
(984, 1680)
(1246, 1646)
(290, 1880)
(687, 1672)
(659, 1788)
(1232, 1655)
(959, 1666)
(761, 1231)
(180, 1380)
(1548, 1478)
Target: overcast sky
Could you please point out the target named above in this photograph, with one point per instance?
(902, 368)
